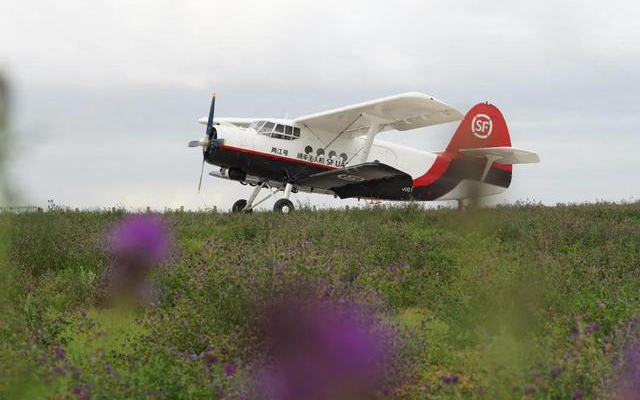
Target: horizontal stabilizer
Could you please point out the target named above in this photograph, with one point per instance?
(357, 174)
(503, 155)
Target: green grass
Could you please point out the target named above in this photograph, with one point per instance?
(495, 296)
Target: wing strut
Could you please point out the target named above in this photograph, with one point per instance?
(376, 124)
(491, 158)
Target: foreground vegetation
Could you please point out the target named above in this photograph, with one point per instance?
(523, 301)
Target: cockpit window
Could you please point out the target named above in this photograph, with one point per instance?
(276, 131)
(256, 125)
(267, 128)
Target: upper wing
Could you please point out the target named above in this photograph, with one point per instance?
(241, 122)
(504, 155)
(357, 174)
(245, 122)
(400, 112)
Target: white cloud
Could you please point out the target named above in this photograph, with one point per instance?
(100, 79)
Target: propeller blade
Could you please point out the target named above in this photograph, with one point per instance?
(211, 131)
(201, 172)
(195, 143)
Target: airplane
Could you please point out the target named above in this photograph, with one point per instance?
(335, 153)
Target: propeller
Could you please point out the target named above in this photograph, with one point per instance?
(210, 141)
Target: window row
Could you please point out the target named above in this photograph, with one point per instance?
(278, 131)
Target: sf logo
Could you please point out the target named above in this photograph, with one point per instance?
(481, 126)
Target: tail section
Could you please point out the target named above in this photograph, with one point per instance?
(477, 162)
(483, 126)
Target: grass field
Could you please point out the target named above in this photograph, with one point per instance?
(523, 301)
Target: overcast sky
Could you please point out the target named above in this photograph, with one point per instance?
(107, 93)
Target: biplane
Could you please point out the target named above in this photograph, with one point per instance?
(336, 153)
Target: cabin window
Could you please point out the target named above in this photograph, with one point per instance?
(276, 131)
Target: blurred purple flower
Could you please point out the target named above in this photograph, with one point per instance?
(230, 369)
(530, 389)
(592, 327)
(210, 358)
(450, 379)
(628, 382)
(323, 351)
(137, 244)
(60, 353)
(143, 237)
(578, 394)
(83, 392)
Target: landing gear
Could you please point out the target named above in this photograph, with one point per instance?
(239, 205)
(284, 206)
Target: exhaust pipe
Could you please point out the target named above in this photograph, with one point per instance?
(233, 174)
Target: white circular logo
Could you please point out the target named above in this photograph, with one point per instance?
(350, 178)
(481, 126)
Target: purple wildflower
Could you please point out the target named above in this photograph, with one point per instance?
(230, 369)
(210, 358)
(591, 328)
(578, 394)
(83, 392)
(143, 237)
(60, 353)
(450, 379)
(137, 244)
(629, 373)
(530, 389)
(321, 351)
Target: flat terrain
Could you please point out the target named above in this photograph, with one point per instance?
(523, 301)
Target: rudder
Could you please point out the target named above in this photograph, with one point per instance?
(483, 126)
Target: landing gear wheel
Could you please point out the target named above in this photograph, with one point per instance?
(284, 206)
(239, 205)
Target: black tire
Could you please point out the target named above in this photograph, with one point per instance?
(239, 205)
(284, 206)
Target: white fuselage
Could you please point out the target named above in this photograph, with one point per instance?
(338, 151)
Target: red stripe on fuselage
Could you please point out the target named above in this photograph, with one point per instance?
(435, 172)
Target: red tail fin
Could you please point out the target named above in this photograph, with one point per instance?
(483, 126)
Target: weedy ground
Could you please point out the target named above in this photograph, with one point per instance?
(521, 301)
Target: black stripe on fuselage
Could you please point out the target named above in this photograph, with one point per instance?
(264, 165)
(281, 169)
(460, 169)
